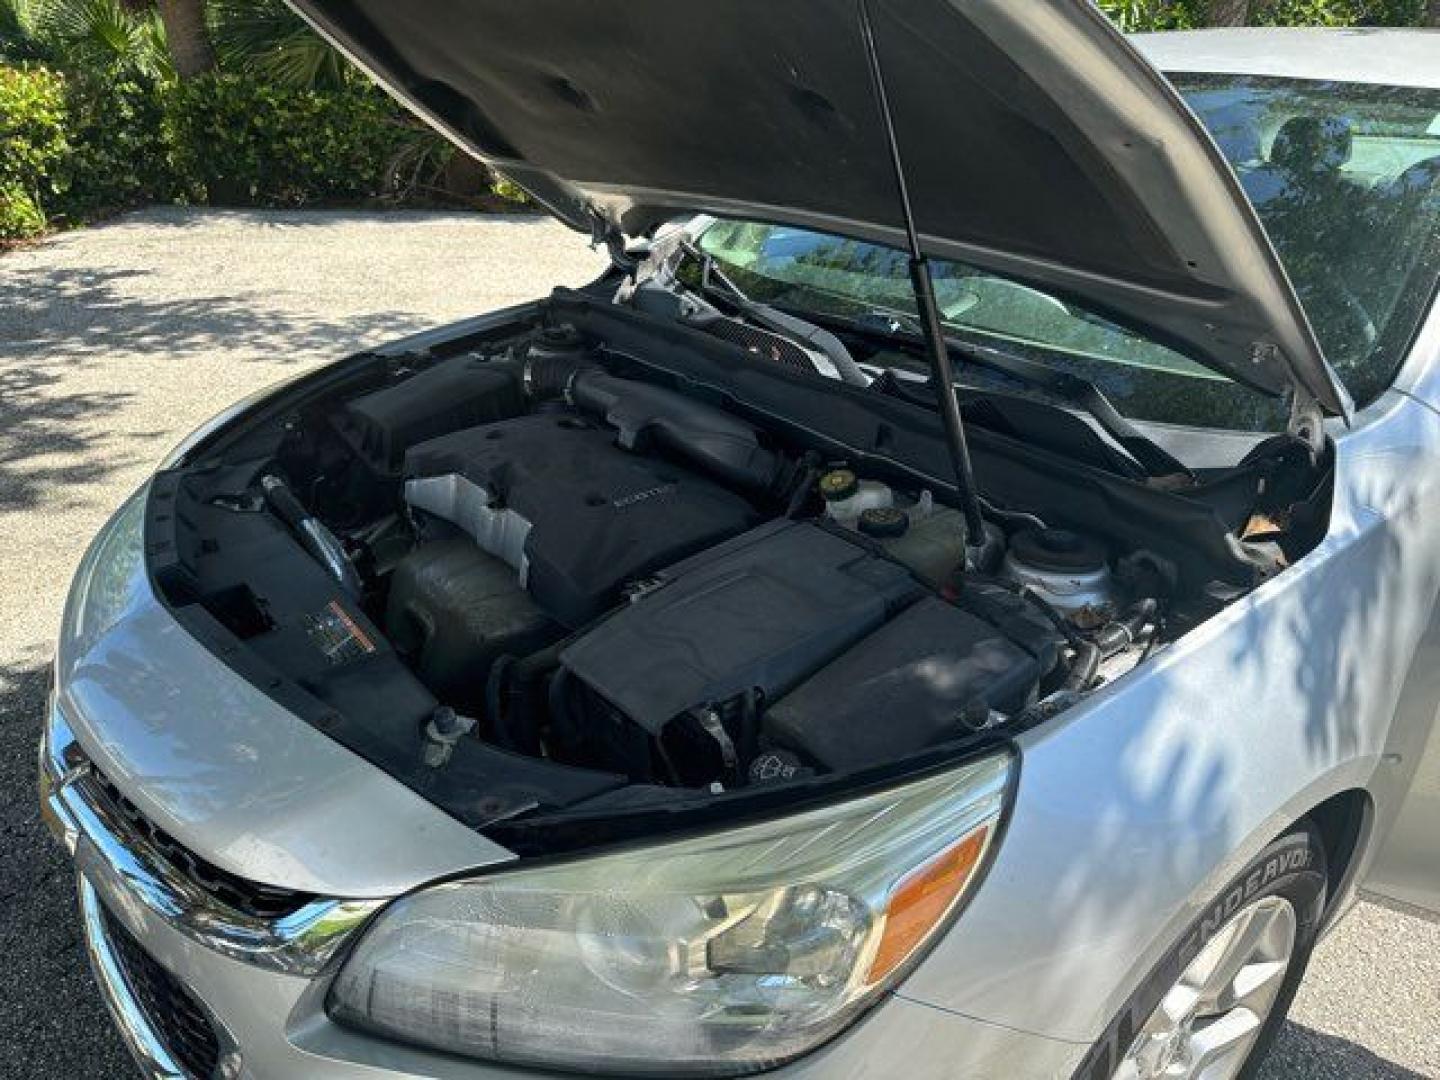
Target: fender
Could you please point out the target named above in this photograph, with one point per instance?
(1135, 809)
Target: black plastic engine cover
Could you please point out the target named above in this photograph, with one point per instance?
(903, 688)
(598, 515)
(760, 612)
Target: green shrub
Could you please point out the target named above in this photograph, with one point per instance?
(118, 155)
(1338, 12)
(237, 141)
(20, 214)
(32, 146)
(1135, 15)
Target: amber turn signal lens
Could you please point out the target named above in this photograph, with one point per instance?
(922, 898)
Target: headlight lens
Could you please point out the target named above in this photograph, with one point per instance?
(720, 954)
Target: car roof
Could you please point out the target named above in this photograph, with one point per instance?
(1386, 57)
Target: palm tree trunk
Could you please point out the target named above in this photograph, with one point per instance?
(1234, 12)
(187, 36)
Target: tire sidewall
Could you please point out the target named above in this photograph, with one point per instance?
(1292, 867)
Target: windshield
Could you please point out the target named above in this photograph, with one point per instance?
(1345, 177)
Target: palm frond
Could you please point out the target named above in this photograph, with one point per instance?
(100, 34)
(266, 38)
(18, 37)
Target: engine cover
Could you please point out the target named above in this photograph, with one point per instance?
(576, 515)
(761, 612)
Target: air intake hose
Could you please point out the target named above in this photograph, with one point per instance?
(721, 444)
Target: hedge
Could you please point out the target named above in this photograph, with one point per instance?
(118, 153)
(32, 147)
(1139, 15)
(240, 142)
(74, 146)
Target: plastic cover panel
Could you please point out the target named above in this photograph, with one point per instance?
(764, 610)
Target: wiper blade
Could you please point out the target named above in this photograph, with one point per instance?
(1073, 390)
(888, 322)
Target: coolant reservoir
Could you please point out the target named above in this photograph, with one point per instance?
(930, 542)
(847, 496)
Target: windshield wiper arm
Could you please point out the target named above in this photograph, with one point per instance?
(798, 329)
(1073, 390)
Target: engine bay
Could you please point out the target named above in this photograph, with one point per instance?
(590, 563)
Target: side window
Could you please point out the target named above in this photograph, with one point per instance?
(1346, 180)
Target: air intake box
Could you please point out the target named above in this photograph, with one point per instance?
(457, 393)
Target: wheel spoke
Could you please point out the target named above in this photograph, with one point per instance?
(1217, 1050)
(1264, 935)
(1204, 971)
(1255, 985)
(1249, 927)
(1207, 1023)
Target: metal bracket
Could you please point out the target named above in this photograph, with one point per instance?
(1307, 422)
(603, 231)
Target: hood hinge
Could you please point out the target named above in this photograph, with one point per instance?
(1307, 422)
(604, 231)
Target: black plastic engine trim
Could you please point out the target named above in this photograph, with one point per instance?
(905, 441)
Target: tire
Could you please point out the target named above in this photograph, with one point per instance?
(1293, 868)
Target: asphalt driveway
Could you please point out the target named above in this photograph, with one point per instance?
(117, 340)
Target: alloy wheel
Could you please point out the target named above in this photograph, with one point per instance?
(1208, 1021)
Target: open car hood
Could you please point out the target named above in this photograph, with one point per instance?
(1037, 143)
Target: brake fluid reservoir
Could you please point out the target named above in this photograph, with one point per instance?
(847, 496)
(1068, 570)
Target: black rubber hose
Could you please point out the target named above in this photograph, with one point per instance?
(1011, 520)
(511, 684)
(532, 666)
(1086, 662)
(314, 537)
(802, 490)
(1059, 621)
(546, 377)
(722, 444)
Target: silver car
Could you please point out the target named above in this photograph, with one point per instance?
(955, 599)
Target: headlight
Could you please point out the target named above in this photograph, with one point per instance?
(725, 953)
(109, 584)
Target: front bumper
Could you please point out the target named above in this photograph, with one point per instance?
(258, 986)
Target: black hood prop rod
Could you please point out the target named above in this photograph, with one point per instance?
(942, 371)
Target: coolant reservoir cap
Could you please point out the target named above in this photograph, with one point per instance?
(838, 484)
(884, 522)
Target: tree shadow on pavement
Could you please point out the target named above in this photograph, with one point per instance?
(68, 313)
(189, 217)
(55, 434)
(1302, 1053)
(45, 436)
(52, 1022)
